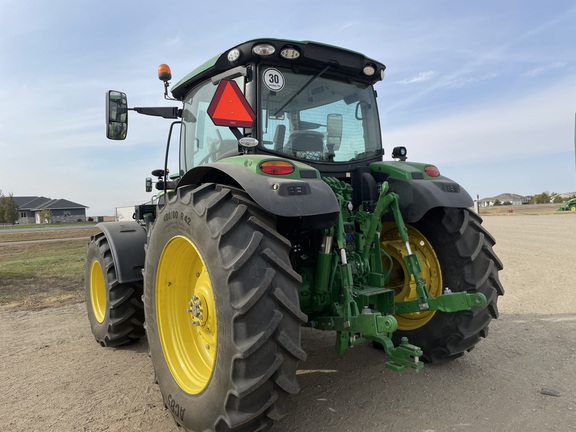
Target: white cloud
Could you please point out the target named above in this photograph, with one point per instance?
(350, 24)
(418, 78)
(533, 125)
(543, 69)
(465, 80)
(175, 41)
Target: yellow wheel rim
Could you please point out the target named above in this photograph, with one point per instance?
(573, 208)
(400, 280)
(186, 315)
(97, 291)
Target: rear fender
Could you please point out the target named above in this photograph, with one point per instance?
(302, 194)
(418, 193)
(126, 240)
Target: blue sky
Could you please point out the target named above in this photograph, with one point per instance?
(485, 90)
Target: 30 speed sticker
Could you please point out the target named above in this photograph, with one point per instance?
(273, 79)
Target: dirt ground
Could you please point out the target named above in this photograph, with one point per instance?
(55, 377)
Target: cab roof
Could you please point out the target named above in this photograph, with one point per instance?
(312, 55)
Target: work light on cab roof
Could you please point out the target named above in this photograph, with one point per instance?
(264, 50)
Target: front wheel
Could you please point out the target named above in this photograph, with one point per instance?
(222, 311)
(115, 310)
(456, 253)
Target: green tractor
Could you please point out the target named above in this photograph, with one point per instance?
(284, 214)
(569, 205)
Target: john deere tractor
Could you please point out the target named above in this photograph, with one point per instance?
(283, 214)
(569, 205)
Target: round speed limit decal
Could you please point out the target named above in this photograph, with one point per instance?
(273, 79)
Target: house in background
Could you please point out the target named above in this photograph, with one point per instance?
(61, 210)
(505, 197)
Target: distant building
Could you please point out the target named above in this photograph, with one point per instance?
(125, 213)
(61, 210)
(505, 197)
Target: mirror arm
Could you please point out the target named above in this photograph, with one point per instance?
(165, 112)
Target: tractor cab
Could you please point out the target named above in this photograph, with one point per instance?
(307, 102)
(323, 113)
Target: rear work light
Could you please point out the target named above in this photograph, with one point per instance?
(369, 70)
(432, 171)
(277, 167)
(289, 53)
(264, 50)
(233, 55)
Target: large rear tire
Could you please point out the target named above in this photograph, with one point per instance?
(115, 310)
(456, 252)
(222, 311)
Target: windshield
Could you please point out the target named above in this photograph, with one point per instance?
(315, 118)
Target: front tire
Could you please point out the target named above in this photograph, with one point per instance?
(222, 311)
(115, 310)
(456, 252)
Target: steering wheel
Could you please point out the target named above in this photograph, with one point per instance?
(209, 157)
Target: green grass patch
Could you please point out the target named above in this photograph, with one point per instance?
(17, 236)
(8, 228)
(36, 275)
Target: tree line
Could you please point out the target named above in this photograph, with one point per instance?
(541, 198)
(545, 198)
(9, 210)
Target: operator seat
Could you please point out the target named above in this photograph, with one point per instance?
(279, 136)
(306, 145)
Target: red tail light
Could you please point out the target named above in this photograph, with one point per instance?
(277, 167)
(432, 171)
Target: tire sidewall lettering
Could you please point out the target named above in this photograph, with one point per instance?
(175, 407)
(174, 215)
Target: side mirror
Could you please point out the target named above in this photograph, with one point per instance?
(116, 115)
(148, 184)
(334, 130)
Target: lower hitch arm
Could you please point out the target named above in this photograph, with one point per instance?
(402, 356)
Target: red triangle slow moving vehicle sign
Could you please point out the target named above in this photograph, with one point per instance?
(229, 107)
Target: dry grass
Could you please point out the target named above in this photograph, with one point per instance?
(529, 209)
(35, 275)
(11, 236)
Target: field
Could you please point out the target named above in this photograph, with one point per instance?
(41, 268)
(55, 377)
(531, 209)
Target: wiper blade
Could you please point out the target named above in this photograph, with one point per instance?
(295, 95)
